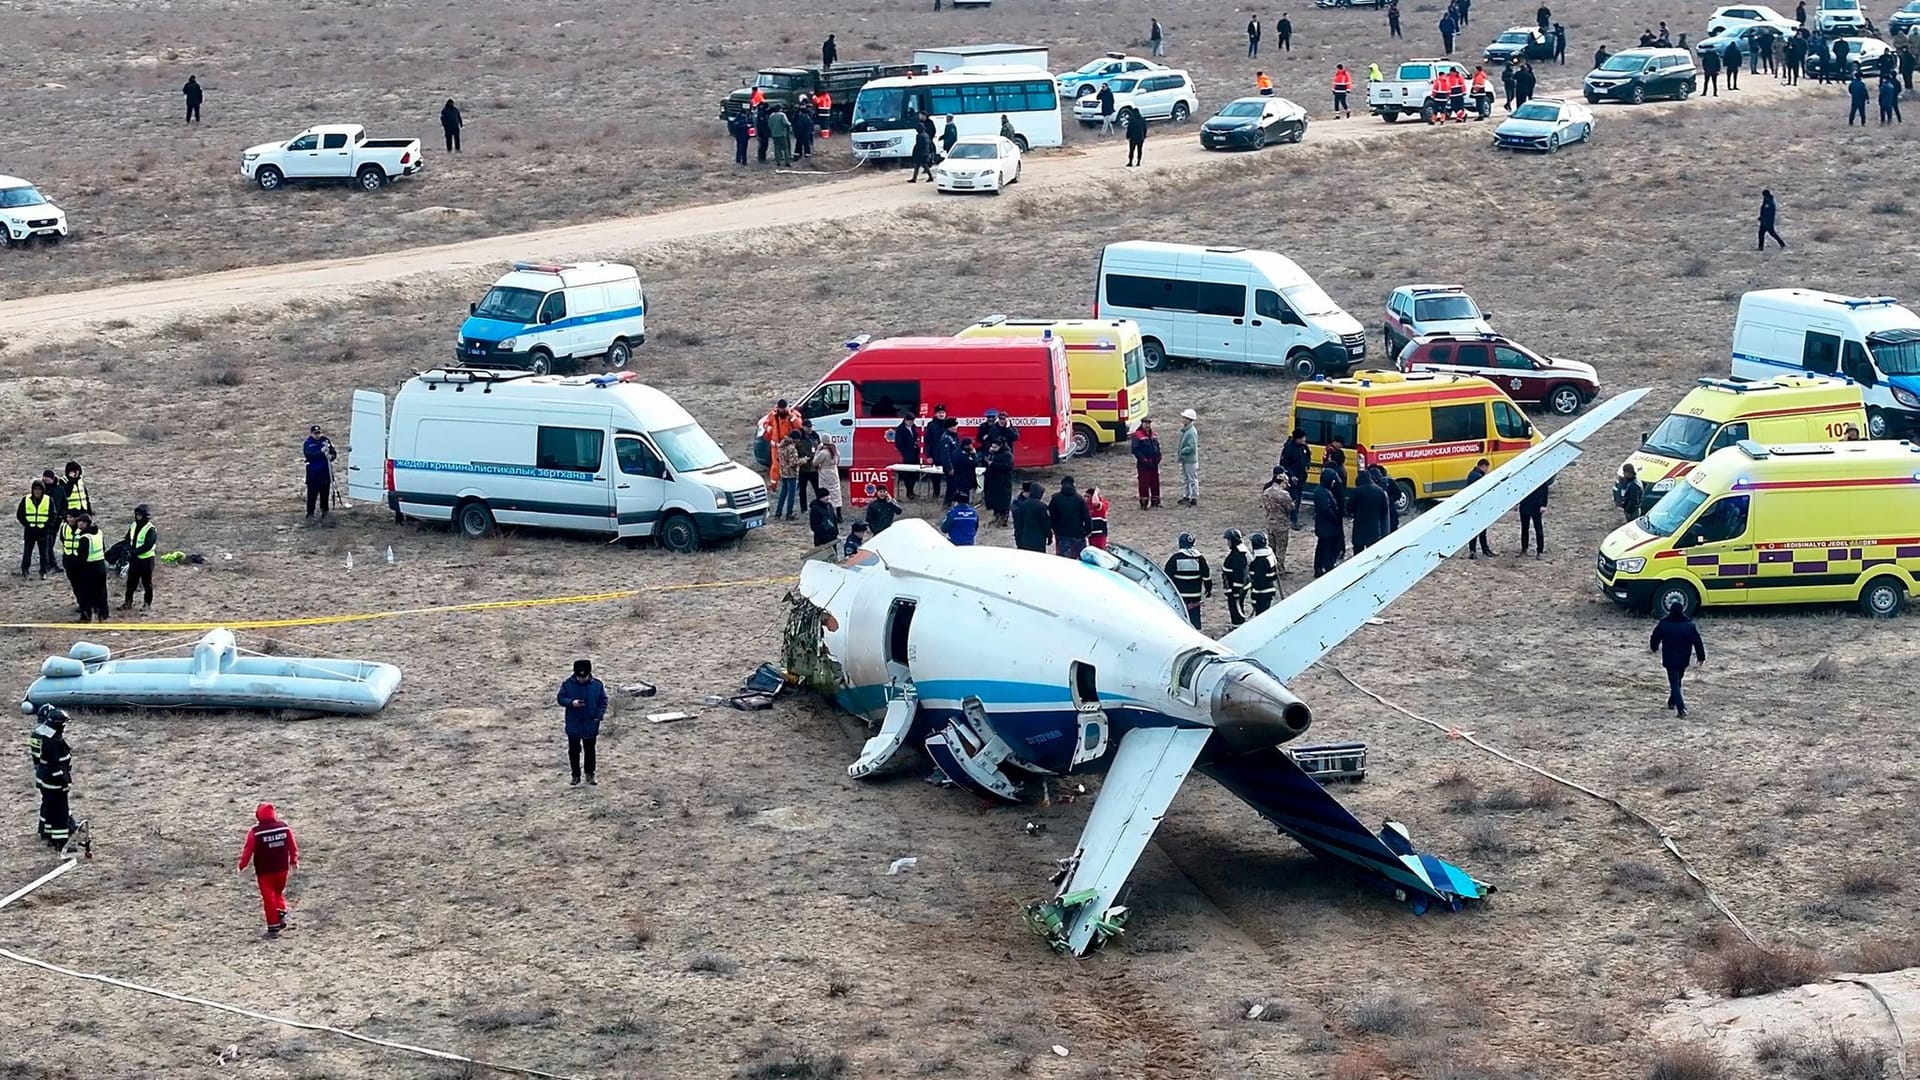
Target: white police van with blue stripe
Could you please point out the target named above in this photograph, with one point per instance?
(545, 316)
(1872, 340)
(603, 454)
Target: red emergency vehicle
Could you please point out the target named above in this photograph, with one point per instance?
(858, 403)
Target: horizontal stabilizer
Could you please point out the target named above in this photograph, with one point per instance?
(1295, 633)
(1273, 783)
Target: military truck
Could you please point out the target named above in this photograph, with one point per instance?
(782, 85)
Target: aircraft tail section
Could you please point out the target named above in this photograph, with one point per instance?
(1273, 783)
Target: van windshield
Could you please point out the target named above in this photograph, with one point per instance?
(1135, 359)
(510, 305)
(1673, 510)
(1310, 300)
(1896, 352)
(689, 448)
(1683, 437)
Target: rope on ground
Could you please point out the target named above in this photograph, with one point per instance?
(444, 609)
(1899, 1036)
(424, 1051)
(1666, 838)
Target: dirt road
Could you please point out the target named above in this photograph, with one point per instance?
(41, 320)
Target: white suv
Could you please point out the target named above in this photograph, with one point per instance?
(1158, 95)
(25, 214)
(1840, 17)
(1734, 18)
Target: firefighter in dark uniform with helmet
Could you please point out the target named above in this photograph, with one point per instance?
(1191, 577)
(1233, 577)
(53, 775)
(1263, 574)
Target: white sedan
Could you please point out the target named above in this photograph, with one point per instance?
(1544, 124)
(978, 163)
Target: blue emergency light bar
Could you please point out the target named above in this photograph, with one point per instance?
(1865, 301)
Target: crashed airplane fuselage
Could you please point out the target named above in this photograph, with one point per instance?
(1007, 666)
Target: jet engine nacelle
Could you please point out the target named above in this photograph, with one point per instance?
(1252, 710)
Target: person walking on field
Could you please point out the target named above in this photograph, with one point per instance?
(140, 558)
(320, 455)
(36, 516)
(1767, 211)
(1533, 514)
(1890, 101)
(1478, 546)
(1677, 640)
(194, 95)
(1342, 86)
(1156, 41)
(450, 125)
(1253, 37)
(1189, 455)
(271, 849)
(1136, 137)
(1857, 93)
(586, 703)
(1285, 29)
(1393, 18)
(1146, 464)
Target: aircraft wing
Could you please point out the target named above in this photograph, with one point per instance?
(1147, 771)
(1295, 633)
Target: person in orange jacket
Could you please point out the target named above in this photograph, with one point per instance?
(1342, 86)
(273, 853)
(823, 111)
(1437, 92)
(1457, 98)
(1263, 84)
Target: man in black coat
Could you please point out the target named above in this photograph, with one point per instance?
(906, 443)
(1071, 521)
(450, 124)
(1370, 507)
(1295, 459)
(1136, 137)
(1677, 640)
(881, 512)
(1329, 528)
(1478, 546)
(762, 133)
(194, 95)
(996, 493)
(962, 477)
(1533, 510)
(1730, 61)
(829, 52)
(1710, 71)
(1032, 520)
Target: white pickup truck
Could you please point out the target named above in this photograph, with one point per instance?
(1412, 83)
(332, 152)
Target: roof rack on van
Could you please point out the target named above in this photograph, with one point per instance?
(455, 373)
(1738, 386)
(1228, 250)
(1857, 302)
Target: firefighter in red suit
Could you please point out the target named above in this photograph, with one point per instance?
(273, 853)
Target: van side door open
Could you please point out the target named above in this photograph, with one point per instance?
(830, 407)
(640, 488)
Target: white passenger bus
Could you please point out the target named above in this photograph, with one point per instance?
(976, 98)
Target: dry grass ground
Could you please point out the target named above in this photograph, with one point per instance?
(719, 906)
(584, 111)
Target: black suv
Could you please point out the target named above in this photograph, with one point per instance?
(1638, 74)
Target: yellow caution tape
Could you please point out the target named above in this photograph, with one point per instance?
(330, 620)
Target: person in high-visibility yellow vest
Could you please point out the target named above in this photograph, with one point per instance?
(70, 551)
(77, 496)
(93, 571)
(141, 538)
(36, 517)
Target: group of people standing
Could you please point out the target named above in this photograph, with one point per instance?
(58, 526)
(1282, 29)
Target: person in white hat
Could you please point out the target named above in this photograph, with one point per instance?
(1189, 454)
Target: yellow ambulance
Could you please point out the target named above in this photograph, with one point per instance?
(1720, 412)
(1814, 523)
(1106, 372)
(1426, 429)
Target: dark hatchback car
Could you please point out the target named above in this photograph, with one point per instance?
(1638, 74)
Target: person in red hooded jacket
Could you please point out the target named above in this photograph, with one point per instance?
(271, 849)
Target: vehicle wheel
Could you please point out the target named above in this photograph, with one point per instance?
(677, 534)
(1301, 134)
(474, 519)
(1021, 142)
(1083, 90)
(269, 178)
(1386, 341)
(619, 354)
(1671, 592)
(1563, 401)
(540, 363)
(1153, 355)
(1426, 114)
(1403, 497)
(1877, 425)
(1390, 116)
(1883, 597)
(1586, 134)
(1686, 89)
(1259, 138)
(1553, 143)
(1639, 95)
(1085, 441)
(371, 178)
(1180, 112)
(1300, 364)
(1591, 100)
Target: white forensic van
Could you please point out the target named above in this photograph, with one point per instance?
(1226, 305)
(587, 453)
(1871, 340)
(541, 316)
